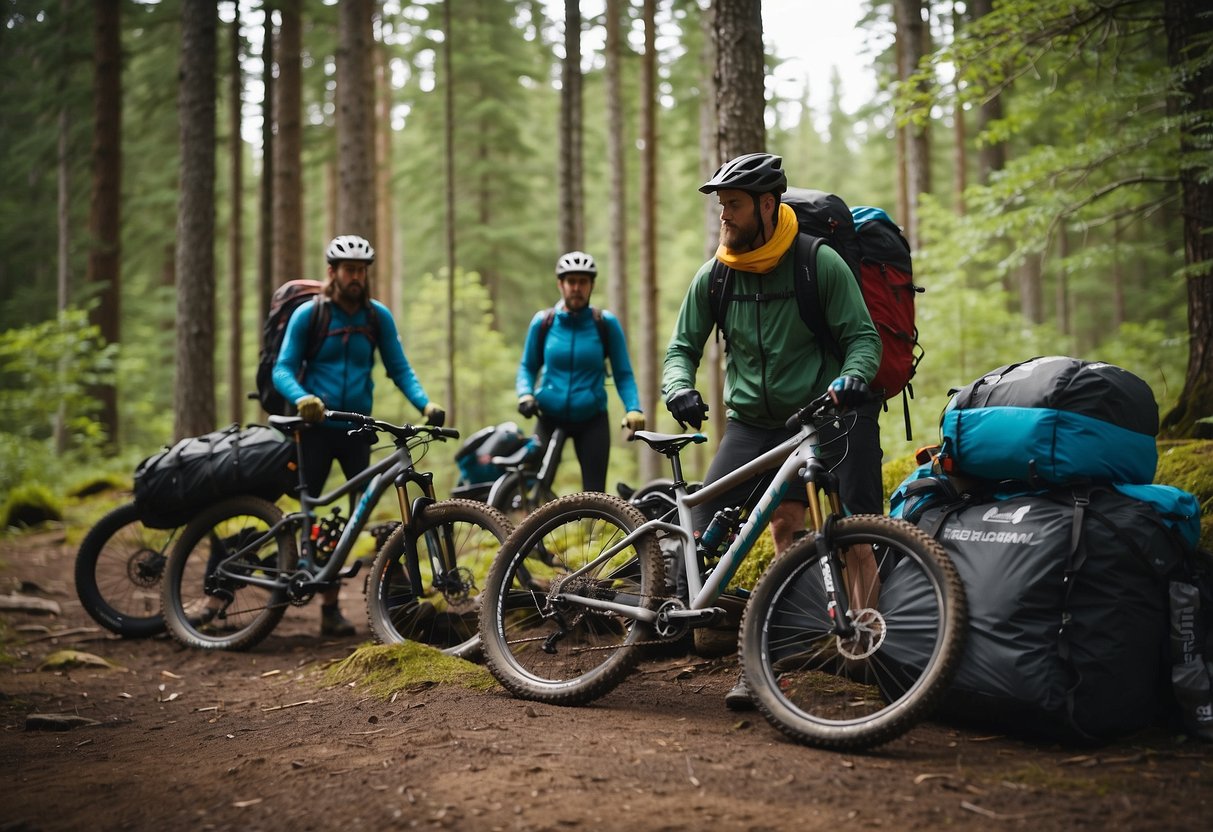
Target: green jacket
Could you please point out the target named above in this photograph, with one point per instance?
(774, 365)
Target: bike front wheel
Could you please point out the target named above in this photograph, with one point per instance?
(118, 570)
(540, 640)
(858, 691)
(225, 582)
(456, 541)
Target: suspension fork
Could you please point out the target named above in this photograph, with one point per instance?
(817, 478)
(410, 515)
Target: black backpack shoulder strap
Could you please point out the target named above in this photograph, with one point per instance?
(808, 298)
(546, 324)
(318, 326)
(604, 335)
(718, 297)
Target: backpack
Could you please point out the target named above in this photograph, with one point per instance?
(286, 299)
(872, 245)
(600, 324)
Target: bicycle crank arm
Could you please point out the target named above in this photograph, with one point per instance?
(696, 618)
(350, 571)
(627, 610)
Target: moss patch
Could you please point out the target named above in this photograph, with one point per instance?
(30, 504)
(383, 669)
(1188, 464)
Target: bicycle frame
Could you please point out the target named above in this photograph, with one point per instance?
(396, 469)
(793, 455)
(532, 487)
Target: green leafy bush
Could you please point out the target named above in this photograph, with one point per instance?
(28, 505)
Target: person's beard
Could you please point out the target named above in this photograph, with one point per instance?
(353, 292)
(736, 236)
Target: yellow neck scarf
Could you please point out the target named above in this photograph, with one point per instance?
(764, 258)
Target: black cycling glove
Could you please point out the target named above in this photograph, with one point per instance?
(849, 391)
(688, 408)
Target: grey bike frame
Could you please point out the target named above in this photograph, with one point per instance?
(790, 456)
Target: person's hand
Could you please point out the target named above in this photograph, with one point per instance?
(633, 420)
(311, 408)
(434, 415)
(527, 406)
(688, 407)
(849, 391)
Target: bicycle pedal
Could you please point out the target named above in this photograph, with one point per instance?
(696, 618)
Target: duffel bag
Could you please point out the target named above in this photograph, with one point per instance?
(173, 485)
(1068, 611)
(1052, 420)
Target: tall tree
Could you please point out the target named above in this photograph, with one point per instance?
(912, 36)
(617, 163)
(649, 373)
(288, 146)
(739, 79)
(572, 222)
(355, 114)
(194, 406)
(1189, 28)
(448, 62)
(235, 296)
(265, 219)
(105, 210)
(385, 241)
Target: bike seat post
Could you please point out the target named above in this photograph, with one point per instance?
(675, 465)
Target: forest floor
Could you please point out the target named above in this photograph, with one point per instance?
(264, 740)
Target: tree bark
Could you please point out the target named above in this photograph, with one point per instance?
(1188, 32)
(383, 243)
(739, 79)
(194, 399)
(709, 160)
(992, 156)
(265, 220)
(235, 329)
(288, 147)
(617, 165)
(649, 376)
(104, 270)
(355, 111)
(912, 42)
(449, 139)
(572, 224)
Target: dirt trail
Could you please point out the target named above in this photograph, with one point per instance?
(253, 741)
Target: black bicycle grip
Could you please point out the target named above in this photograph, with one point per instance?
(349, 416)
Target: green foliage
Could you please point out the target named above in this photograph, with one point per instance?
(31, 504)
(46, 369)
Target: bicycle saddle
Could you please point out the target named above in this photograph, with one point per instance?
(513, 460)
(667, 443)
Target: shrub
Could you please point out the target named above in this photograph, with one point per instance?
(30, 504)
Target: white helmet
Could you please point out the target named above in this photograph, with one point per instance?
(576, 261)
(350, 247)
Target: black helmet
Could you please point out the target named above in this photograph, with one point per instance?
(758, 173)
(576, 261)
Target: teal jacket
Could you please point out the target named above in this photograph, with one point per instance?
(774, 365)
(572, 386)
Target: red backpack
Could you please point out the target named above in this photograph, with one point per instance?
(879, 256)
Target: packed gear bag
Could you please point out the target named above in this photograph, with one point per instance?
(878, 255)
(286, 299)
(174, 484)
(474, 455)
(1068, 608)
(1191, 603)
(1052, 420)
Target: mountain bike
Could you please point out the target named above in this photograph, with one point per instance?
(523, 487)
(238, 565)
(118, 569)
(822, 671)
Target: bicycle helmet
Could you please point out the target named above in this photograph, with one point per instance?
(758, 173)
(350, 247)
(576, 261)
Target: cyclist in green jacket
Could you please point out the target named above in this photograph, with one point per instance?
(773, 363)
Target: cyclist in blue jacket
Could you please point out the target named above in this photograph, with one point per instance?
(337, 376)
(567, 344)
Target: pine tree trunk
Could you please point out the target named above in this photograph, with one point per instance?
(104, 271)
(194, 399)
(617, 168)
(235, 328)
(740, 96)
(649, 376)
(288, 148)
(1188, 32)
(448, 23)
(355, 111)
(383, 241)
(572, 226)
(912, 40)
(265, 219)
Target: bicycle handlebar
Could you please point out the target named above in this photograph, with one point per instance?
(818, 407)
(399, 431)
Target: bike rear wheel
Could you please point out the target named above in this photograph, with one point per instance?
(846, 694)
(438, 609)
(541, 644)
(516, 496)
(118, 570)
(207, 599)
